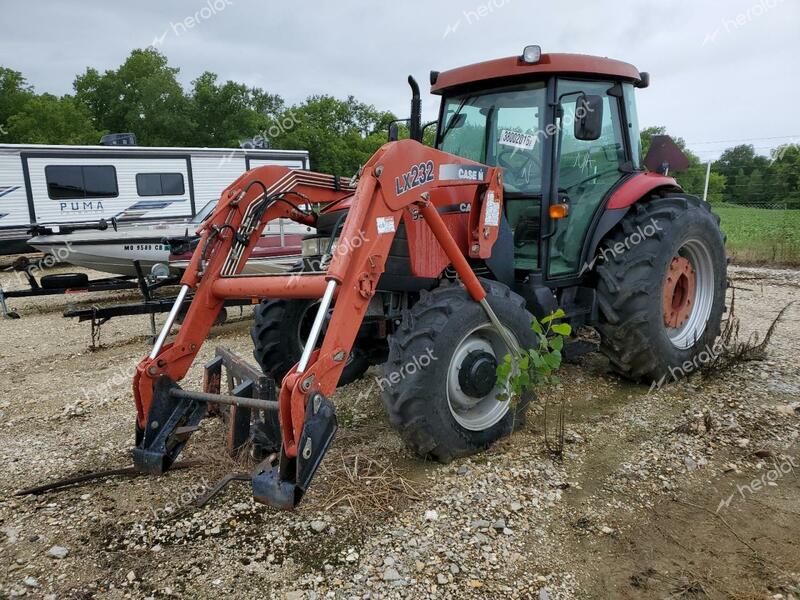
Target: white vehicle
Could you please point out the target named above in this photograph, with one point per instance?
(116, 251)
(62, 185)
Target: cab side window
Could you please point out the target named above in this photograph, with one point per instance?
(587, 170)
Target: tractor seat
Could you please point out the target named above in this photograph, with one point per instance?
(525, 219)
(528, 226)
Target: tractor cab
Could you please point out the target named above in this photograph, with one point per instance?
(564, 130)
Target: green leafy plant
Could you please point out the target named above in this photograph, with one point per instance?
(535, 366)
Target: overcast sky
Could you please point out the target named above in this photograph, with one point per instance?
(721, 70)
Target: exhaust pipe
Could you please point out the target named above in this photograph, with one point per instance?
(416, 110)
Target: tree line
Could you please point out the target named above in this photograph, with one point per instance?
(741, 175)
(144, 96)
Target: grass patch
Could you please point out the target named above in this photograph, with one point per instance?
(760, 235)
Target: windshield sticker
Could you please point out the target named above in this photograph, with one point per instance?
(462, 172)
(515, 139)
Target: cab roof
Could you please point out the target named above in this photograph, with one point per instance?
(514, 67)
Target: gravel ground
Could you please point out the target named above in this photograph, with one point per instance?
(685, 491)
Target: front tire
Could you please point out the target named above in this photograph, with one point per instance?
(661, 299)
(439, 384)
(281, 327)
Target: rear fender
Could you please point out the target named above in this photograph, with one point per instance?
(640, 186)
(635, 189)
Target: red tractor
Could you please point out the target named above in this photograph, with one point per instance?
(432, 261)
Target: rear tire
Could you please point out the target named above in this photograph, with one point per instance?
(437, 414)
(643, 336)
(280, 327)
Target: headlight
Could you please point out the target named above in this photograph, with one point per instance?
(532, 54)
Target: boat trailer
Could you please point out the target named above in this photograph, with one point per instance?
(79, 283)
(76, 283)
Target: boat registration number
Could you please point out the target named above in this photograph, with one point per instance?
(141, 247)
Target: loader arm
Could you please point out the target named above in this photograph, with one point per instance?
(227, 240)
(399, 176)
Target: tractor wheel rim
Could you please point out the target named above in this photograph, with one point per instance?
(476, 414)
(688, 294)
(679, 292)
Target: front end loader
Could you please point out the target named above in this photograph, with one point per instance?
(432, 262)
(400, 176)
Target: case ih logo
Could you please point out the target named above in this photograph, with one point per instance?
(462, 172)
(4, 191)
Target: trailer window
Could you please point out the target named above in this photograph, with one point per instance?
(73, 182)
(160, 184)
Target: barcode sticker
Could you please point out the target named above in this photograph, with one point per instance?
(515, 139)
(492, 211)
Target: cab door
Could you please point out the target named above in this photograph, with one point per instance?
(585, 173)
(507, 127)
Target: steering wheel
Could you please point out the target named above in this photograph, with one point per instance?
(588, 179)
(520, 175)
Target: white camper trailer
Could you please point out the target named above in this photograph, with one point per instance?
(62, 185)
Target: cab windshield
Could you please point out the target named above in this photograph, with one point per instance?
(503, 127)
(205, 212)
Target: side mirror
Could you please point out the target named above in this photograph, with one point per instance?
(393, 133)
(588, 118)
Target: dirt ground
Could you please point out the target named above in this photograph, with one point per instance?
(688, 491)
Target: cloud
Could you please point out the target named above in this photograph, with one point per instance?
(706, 86)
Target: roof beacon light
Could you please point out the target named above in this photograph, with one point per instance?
(532, 54)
